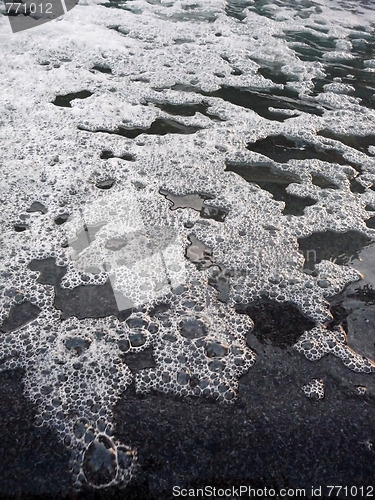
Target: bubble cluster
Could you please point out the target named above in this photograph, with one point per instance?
(314, 389)
(319, 341)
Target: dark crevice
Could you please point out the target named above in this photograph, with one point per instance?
(196, 201)
(161, 126)
(267, 177)
(279, 324)
(340, 248)
(65, 100)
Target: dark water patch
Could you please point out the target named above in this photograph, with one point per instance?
(290, 436)
(61, 219)
(186, 109)
(102, 69)
(36, 206)
(314, 41)
(137, 361)
(356, 187)
(19, 315)
(365, 294)
(275, 182)
(161, 126)
(106, 154)
(362, 81)
(219, 279)
(259, 101)
(77, 345)
(65, 100)
(192, 328)
(361, 143)
(19, 228)
(84, 301)
(105, 184)
(99, 462)
(120, 29)
(280, 324)
(85, 236)
(322, 182)
(235, 8)
(34, 462)
(273, 73)
(199, 254)
(370, 222)
(196, 201)
(282, 149)
(340, 248)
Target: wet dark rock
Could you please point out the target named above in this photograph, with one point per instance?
(139, 360)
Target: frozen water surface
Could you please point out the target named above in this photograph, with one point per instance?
(172, 172)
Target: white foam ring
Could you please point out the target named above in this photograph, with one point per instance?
(177, 53)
